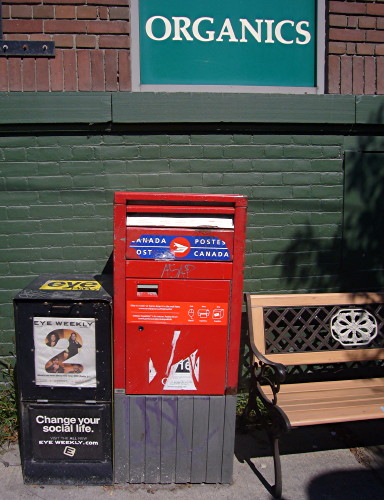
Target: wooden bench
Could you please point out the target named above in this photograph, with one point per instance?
(296, 337)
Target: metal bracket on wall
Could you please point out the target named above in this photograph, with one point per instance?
(23, 48)
(26, 48)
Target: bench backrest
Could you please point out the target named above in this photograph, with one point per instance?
(305, 329)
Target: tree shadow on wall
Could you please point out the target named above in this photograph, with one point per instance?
(352, 259)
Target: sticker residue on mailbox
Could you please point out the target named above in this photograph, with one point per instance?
(172, 247)
(182, 375)
(181, 313)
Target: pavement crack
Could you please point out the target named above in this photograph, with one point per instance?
(7, 464)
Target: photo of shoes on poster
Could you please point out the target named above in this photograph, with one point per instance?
(65, 352)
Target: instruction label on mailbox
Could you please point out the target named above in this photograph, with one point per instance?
(181, 313)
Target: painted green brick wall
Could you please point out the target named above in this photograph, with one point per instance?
(56, 203)
(56, 187)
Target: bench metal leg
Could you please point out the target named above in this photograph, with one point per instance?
(278, 486)
(270, 416)
(274, 429)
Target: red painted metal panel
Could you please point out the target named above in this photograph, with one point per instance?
(237, 299)
(178, 270)
(122, 197)
(177, 320)
(177, 336)
(119, 296)
(177, 209)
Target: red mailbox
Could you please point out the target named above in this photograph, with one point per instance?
(178, 276)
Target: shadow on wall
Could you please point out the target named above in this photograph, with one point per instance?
(352, 260)
(108, 268)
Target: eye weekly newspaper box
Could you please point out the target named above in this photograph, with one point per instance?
(63, 346)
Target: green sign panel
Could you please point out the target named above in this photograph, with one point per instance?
(226, 42)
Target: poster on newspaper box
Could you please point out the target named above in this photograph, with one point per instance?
(68, 433)
(65, 352)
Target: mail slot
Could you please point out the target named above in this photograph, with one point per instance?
(178, 276)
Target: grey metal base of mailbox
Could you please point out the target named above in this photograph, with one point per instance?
(174, 439)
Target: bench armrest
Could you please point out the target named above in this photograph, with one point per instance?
(265, 371)
(266, 378)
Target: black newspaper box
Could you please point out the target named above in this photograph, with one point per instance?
(63, 348)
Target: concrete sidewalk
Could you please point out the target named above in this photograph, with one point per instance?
(339, 462)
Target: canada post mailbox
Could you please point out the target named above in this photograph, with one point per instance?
(178, 276)
(178, 292)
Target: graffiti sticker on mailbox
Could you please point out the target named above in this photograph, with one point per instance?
(171, 247)
(180, 374)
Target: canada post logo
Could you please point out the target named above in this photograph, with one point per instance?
(173, 247)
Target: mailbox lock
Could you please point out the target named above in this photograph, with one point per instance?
(140, 328)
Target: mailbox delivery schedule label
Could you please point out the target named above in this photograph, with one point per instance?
(181, 313)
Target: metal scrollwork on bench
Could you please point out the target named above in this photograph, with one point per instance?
(270, 375)
(314, 328)
(267, 375)
(353, 327)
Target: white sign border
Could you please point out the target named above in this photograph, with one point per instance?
(138, 87)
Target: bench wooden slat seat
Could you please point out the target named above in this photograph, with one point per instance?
(331, 401)
(323, 357)
(298, 330)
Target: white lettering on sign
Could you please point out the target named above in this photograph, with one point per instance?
(262, 31)
(209, 241)
(210, 35)
(67, 424)
(209, 253)
(154, 240)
